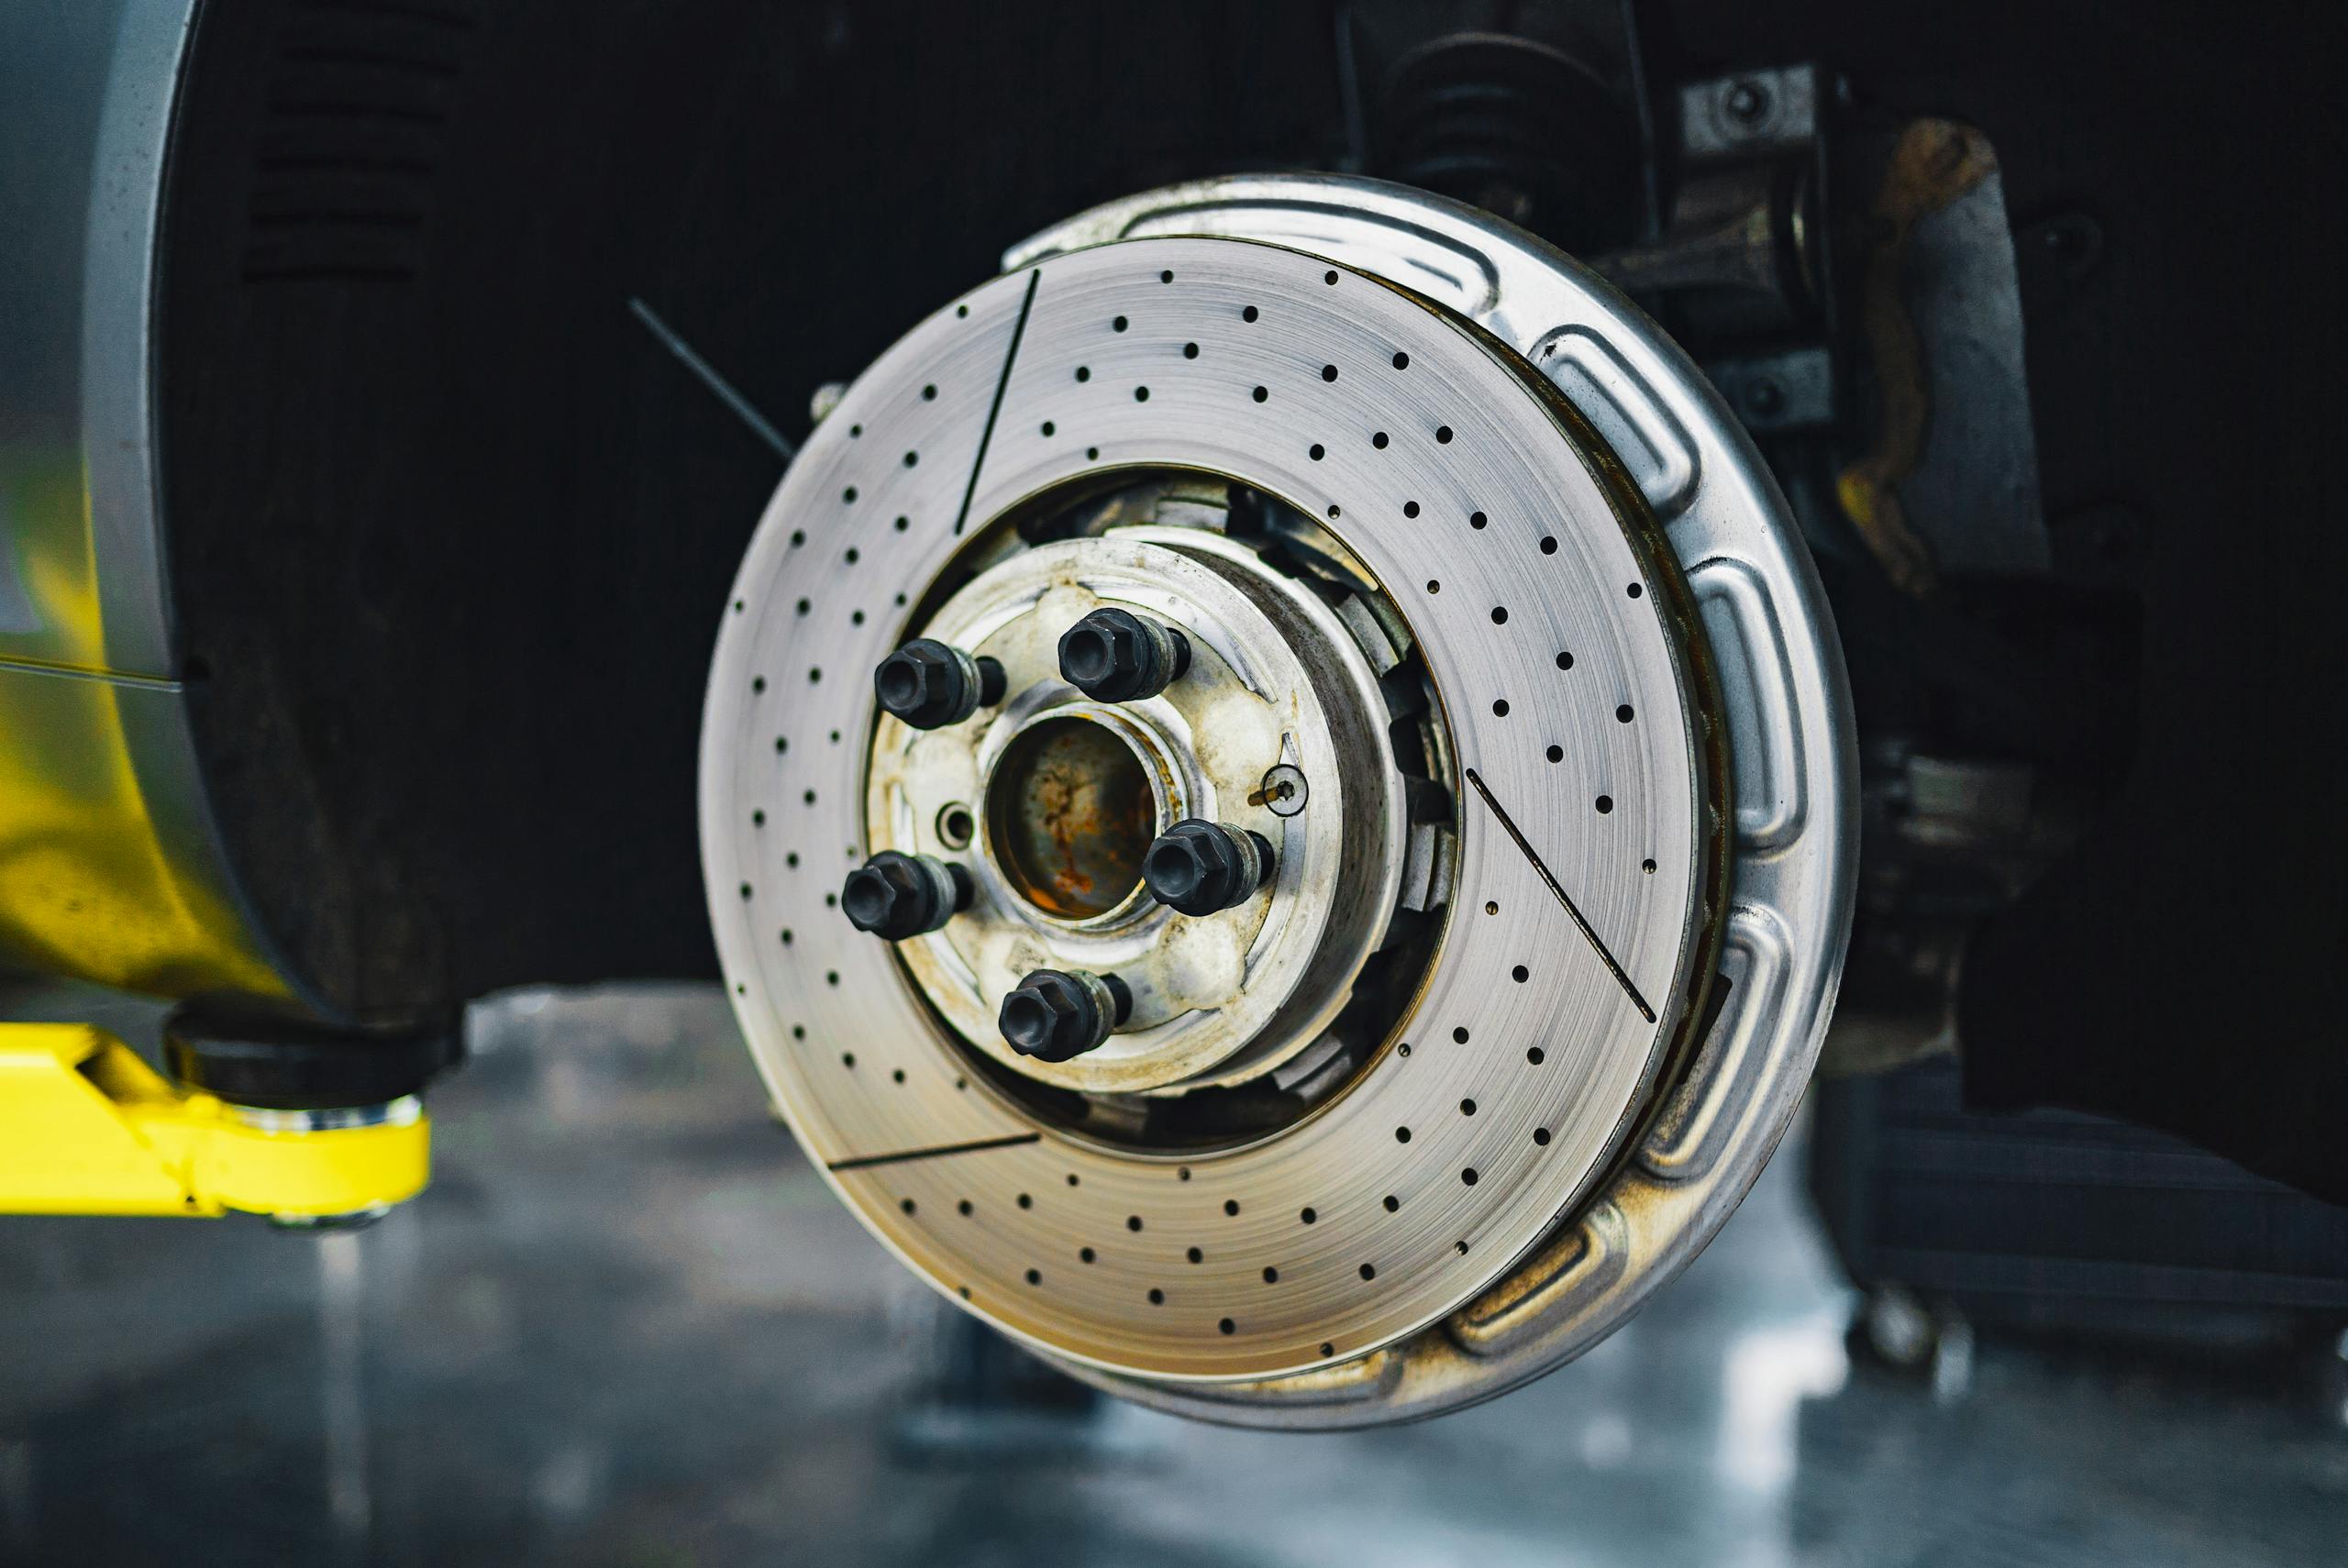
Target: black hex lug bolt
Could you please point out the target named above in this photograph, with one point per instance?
(1197, 867)
(1115, 656)
(930, 684)
(896, 896)
(1055, 1014)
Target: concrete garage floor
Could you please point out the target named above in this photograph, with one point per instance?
(628, 1325)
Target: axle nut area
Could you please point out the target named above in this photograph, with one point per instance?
(1057, 1014)
(930, 684)
(896, 896)
(1115, 656)
(1196, 867)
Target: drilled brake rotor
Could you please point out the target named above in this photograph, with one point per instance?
(1442, 661)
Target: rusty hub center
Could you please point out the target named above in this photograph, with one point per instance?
(1070, 813)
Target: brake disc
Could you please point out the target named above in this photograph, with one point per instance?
(1475, 615)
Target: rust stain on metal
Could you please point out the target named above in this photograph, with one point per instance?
(1078, 817)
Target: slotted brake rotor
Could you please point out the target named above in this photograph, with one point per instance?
(1276, 793)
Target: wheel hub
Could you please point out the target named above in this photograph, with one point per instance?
(1069, 793)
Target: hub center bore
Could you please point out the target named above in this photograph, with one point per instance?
(1070, 814)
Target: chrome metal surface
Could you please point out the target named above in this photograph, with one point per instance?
(1573, 943)
(405, 1112)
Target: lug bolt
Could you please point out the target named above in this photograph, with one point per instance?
(1197, 867)
(896, 896)
(1055, 1014)
(930, 684)
(1115, 656)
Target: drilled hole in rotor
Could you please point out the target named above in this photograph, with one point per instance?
(956, 826)
(1069, 817)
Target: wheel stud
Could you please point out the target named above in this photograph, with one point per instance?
(1197, 867)
(896, 896)
(1115, 656)
(1055, 1014)
(930, 684)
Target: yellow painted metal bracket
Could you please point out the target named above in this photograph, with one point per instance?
(86, 1127)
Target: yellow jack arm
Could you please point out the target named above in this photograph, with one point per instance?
(86, 1127)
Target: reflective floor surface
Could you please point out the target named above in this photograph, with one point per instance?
(628, 1325)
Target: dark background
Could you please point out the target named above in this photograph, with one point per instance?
(449, 529)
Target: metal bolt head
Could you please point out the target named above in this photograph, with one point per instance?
(1197, 867)
(896, 896)
(1054, 1016)
(927, 684)
(1114, 656)
(1746, 102)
